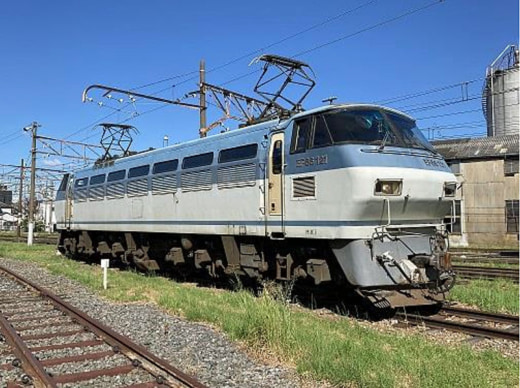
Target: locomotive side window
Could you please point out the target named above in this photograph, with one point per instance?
(166, 166)
(198, 160)
(81, 182)
(138, 171)
(322, 136)
(238, 153)
(116, 176)
(301, 132)
(64, 182)
(97, 179)
(277, 157)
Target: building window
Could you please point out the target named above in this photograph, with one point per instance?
(510, 167)
(453, 220)
(512, 216)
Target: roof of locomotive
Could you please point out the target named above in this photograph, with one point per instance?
(325, 108)
(272, 125)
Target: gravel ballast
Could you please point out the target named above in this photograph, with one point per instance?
(194, 348)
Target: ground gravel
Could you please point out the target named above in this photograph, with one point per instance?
(194, 348)
(9, 373)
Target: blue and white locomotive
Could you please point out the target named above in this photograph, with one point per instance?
(345, 194)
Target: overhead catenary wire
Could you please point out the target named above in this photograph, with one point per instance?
(449, 114)
(428, 91)
(374, 26)
(259, 50)
(244, 56)
(347, 36)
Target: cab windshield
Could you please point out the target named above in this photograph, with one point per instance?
(364, 126)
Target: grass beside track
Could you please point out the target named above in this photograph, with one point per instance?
(499, 295)
(340, 351)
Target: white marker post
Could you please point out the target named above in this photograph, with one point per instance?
(104, 265)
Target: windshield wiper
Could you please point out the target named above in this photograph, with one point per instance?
(385, 138)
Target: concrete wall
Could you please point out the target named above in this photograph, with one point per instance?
(484, 192)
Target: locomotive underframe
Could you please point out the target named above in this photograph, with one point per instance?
(362, 266)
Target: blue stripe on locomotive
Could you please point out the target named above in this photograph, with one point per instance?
(337, 156)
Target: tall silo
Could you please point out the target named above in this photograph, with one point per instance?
(501, 94)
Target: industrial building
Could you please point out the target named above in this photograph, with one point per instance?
(485, 212)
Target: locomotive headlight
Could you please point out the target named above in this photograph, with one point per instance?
(450, 188)
(388, 187)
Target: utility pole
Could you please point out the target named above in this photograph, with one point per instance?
(33, 128)
(20, 207)
(202, 96)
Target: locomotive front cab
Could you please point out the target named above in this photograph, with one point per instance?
(381, 194)
(370, 165)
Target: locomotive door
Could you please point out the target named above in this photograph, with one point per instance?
(275, 197)
(69, 203)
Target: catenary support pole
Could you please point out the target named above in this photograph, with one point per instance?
(202, 96)
(20, 206)
(33, 128)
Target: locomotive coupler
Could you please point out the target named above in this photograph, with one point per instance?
(408, 269)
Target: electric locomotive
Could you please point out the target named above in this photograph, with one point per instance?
(350, 195)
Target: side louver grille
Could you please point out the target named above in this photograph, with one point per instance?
(304, 187)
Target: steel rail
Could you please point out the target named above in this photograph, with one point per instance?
(505, 253)
(486, 272)
(159, 368)
(37, 240)
(457, 260)
(494, 270)
(39, 377)
(481, 315)
(442, 323)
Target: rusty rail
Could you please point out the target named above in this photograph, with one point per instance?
(486, 272)
(138, 357)
(477, 326)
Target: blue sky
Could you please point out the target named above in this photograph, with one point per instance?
(50, 51)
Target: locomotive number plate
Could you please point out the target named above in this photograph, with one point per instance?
(434, 162)
(312, 161)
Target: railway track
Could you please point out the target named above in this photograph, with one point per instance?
(483, 259)
(55, 344)
(37, 240)
(502, 257)
(472, 272)
(472, 322)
